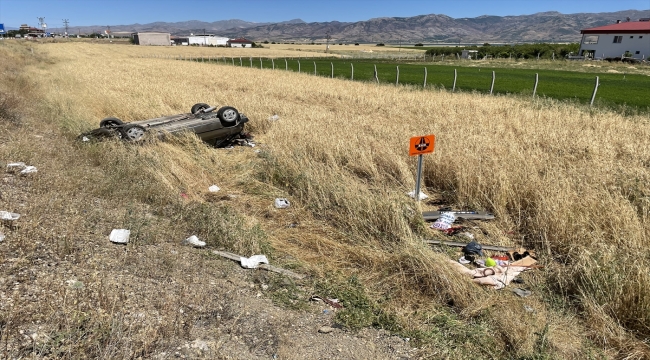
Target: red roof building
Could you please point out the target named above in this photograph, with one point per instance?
(241, 42)
(630, 39)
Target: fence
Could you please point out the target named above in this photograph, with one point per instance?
(405, 74)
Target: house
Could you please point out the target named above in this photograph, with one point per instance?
(469, 54)
(241, 42)
(623, 39)
(152, 38)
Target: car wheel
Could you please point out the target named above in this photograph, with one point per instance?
(110, 122)
(228, 114)
(133, 132)
(198, 107)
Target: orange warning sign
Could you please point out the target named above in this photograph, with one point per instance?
(422, 145)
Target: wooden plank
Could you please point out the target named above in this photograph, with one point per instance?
(267, 267)
(460, 244)
(468, 215)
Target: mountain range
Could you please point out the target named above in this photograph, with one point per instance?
(546, 26)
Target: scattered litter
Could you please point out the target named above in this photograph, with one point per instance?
(464, 261)
(214, 188)
(282, 203)
(274, 118)
(9, 216)
(326, 312)
(184, 195)
(266, 266)
(422, 196)
(28, 170)
(254, 261)
(249, 143)
(331, 302)
(453, 230)
(120, 236)
(325, 330)
(75, 284)
(194, 241)
(473, 248)
(445, 221)
(489, 262)
(467, 215)
(468, 235)
(85, 139)
(461, 244)
(528, 308)
(12, 167)
(521, 292)
(2, 237)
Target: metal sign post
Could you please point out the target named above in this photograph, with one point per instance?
(420, 145)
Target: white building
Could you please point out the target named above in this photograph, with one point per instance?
(242, 43)
(207, 40)
(616, 40)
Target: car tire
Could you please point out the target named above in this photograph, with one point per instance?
(198, 107)
(110, 122)
(228, 115)
(133, 132)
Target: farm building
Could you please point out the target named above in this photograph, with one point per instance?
(623, 39)
(240, 43)
(207, 40)
(469, 54)
(152, 38)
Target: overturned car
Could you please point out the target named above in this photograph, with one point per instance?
(219, 128)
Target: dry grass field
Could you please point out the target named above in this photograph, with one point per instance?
(570, 182)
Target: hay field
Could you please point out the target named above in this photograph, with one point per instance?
(570, 182)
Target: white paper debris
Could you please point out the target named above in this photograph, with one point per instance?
(194, 241)
(253, 262)
(85, 139)
(444, 221)
(282, 203)
(2, 237)
(9, 216)
(422, 195)
(214, 188)
(15, 166)
(274, 118)
(120, 236)
(28, 170)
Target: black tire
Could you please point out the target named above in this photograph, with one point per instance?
(110, 122)
(198, 107)
(228, 114)
(133, 132)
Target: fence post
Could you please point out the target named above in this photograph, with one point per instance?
(443, 58)
(332, 70)
(492, 86)
(233, 61)
(352, 71)
(536, 82)
(260, 63)
(314, 68)
(397, 76)
(273, 62)
(240, 62)
(299, 66)
(593, 96)
(455, 77)
(425, 78)
(376, 75)
(251, 59)
(286, 65)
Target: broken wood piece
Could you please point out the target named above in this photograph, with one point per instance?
(467, 215)
(267, 267)
(460, 244)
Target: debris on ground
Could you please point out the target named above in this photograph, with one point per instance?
(331, 302)
(9, 216)
(459, 214)
(2, 237)
(194, 241)
(282, 203)
(253, 262)
(422, 196)
(445, 221)
(274, 118)
(496, 273)
(29, 170)
(462, 244)
(266, 266)
(119, 236)
(214, 188)
(13, 167)
(521, 292)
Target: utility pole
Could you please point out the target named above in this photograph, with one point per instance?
(42, 24)
(204, 37)
(65, 22)
(328, 41)
(108, 31)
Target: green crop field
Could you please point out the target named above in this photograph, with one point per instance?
(629, 92)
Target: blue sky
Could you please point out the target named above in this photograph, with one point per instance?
(124, 12)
